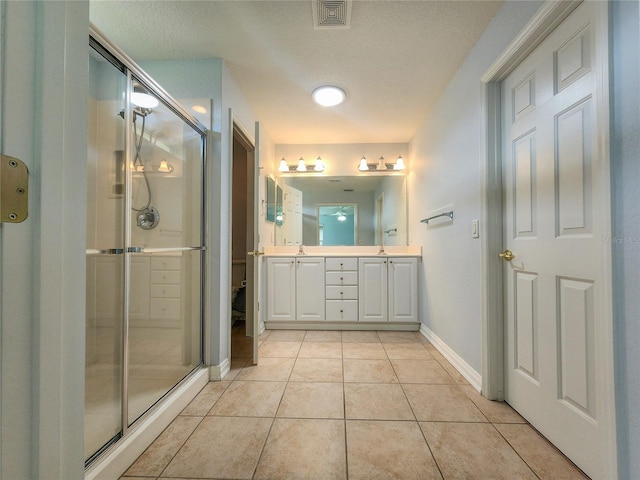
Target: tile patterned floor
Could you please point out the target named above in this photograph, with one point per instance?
(347, 405)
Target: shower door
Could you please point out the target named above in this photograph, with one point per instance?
(145, 247)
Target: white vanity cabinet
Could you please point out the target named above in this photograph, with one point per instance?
(402, 284)
(350, 292)
(295, 289)
(373, 289)
(281, 288)
(310, 295)
(388, 289)
(342, 289)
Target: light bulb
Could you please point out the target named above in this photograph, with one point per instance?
(363, 165)
(319, 166)
(342, 217)
(328, 96)
(301, 166)
(399, 164)
(165, 167)
(283, 165)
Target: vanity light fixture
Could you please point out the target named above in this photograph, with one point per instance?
(301, 166)
(328, 95)
(165, 167)
(381, 165)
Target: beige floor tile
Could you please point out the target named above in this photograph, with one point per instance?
(388, 450)
(221, 447)
(237, 363)
(455, 374)
(434, 351)
(496, 412)
(368, 371)
(203, 402)
(263, 336)
(441, 403)
(312, 400)
(474, 451)
(407, 351)
(421, 371)
(317, 370)
(304, 450)
(272, 369)
(286, 336)
(320, 350)
(367, 351)
(543, 458)
(399, 337)
(279, 349)
(323, 336)
(376, 401)
(155, 458)
(249, 399)
(360, 337)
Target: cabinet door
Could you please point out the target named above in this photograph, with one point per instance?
(403, 289)
(310, 292)
(281, 288)
(372, 273)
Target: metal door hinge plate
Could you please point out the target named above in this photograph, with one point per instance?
(14, 190)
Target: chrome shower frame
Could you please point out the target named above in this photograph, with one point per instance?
(135, 73)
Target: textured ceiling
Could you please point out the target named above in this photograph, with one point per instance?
(393, 62)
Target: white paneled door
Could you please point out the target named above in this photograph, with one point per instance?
(556, 206)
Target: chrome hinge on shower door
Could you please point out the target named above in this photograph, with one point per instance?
(14, 190)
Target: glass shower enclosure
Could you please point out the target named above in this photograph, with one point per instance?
(145, 246)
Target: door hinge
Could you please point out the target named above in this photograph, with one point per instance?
(14, 190)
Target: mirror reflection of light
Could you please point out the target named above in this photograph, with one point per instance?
(199, 109)
(342, 217)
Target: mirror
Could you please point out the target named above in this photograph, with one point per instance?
(378, 204)
(337, 224)
(271, 200)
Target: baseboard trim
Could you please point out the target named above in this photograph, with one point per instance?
(119, 458)
(218, 372)
(328, 325)
(473, 377)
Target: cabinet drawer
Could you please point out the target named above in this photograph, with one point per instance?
(342, 293)
(342, 310)
(342, 278)
(165, 263)
(342, 263)
(165, 277)
(165, 309)
(165, 291)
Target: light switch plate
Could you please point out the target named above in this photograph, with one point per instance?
(475, 228)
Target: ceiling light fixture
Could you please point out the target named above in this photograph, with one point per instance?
(328, 95)
(140, 97)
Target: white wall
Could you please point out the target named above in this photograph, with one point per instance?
(444, 161)
(625, 149)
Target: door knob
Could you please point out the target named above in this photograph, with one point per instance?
(507, 255)
(255, 253)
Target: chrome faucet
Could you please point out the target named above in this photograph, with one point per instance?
(381, 251)
(301, 250)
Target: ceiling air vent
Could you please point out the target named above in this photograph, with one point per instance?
(331, 13)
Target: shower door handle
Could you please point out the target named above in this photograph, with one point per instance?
(135, 249)
(255, 253)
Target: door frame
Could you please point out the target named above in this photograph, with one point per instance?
(548, 17)
(251, 144)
